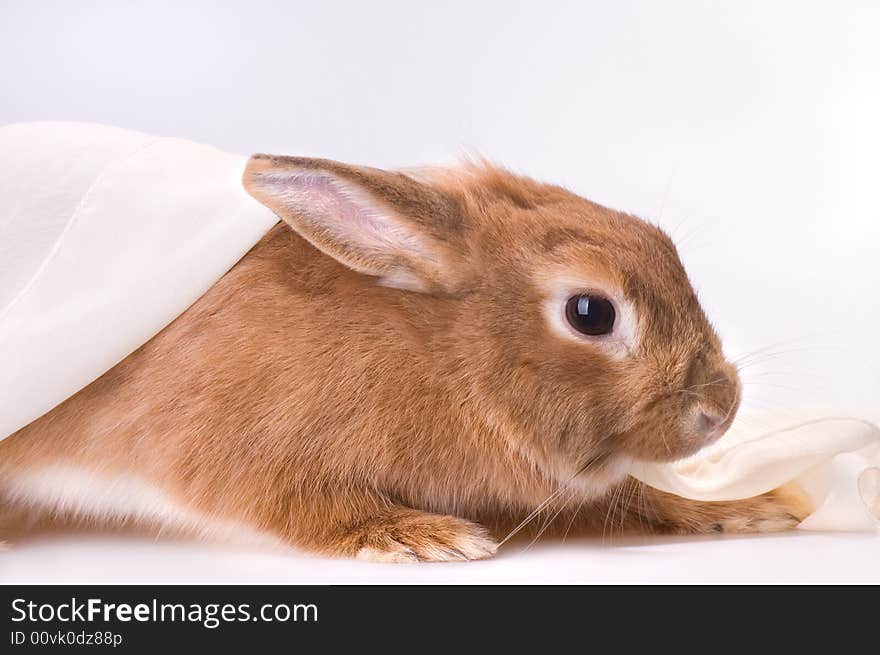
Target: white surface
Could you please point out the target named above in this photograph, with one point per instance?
(747, 129)
(793, 558)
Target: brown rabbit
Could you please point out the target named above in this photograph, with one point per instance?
(406, 359)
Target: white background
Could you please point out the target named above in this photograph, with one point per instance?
(749, 130)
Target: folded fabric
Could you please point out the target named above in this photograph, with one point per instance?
(107, 235)
(834, 460)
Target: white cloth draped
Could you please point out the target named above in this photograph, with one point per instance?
(106, 236)
(834, 458)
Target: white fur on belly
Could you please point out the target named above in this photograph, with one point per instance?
(77, 492)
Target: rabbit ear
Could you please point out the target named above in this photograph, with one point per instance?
(376, 222)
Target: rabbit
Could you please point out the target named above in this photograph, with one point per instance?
(404, 368)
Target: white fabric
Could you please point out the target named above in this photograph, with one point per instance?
(835, 460)
(107, 235)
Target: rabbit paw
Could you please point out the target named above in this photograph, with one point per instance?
(775, 511)
(423, 537)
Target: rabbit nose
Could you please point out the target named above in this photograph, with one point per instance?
(708, 423)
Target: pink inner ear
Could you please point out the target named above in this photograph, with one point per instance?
(343, 213)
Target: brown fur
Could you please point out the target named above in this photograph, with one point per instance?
(302, 399)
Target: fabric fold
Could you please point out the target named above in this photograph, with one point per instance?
(834, 460)
(110, 235)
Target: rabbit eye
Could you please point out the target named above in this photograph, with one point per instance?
(590, 314)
